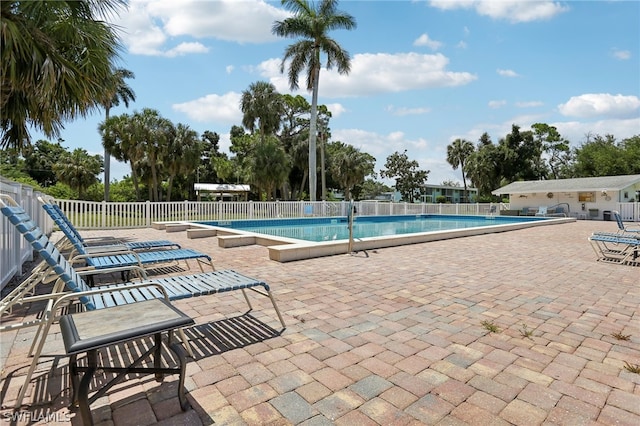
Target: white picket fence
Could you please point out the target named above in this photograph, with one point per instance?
(14, 249)
(101, 215)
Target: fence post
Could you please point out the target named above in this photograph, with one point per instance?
(147, 213)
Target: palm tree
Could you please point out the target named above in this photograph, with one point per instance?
(182, 155)
(261, 103)
(270, 165)
(457, 154)
(349, 167)
(152, 135)
(57, 57)
(311, 23)
(119, 91)
(78, 170)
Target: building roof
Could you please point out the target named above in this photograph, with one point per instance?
(221, 187)
(613, 183)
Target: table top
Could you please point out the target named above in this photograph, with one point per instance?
(89, 330)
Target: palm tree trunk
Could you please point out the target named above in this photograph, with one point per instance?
(313, 176)
(322, 171)
(107, 162)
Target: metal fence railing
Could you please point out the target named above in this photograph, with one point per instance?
(14, 250)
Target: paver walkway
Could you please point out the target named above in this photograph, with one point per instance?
(393, 339)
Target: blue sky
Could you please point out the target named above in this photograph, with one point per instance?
(423, 72)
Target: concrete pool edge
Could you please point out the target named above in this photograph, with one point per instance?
(282, 249)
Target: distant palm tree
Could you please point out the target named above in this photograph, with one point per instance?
(311, 23)
(182, 154)
(457, 154)
(118, 91)
(78, 169)
(57, 57)
(261, 103)
(349, 167)
(270, 165)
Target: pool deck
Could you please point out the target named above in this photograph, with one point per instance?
(395, 338)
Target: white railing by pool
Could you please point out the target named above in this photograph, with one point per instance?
(102, 215)
(14, 250)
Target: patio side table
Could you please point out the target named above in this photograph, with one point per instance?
(92, 330)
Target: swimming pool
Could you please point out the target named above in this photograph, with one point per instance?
(336, 228)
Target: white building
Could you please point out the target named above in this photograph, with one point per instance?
(590, 198)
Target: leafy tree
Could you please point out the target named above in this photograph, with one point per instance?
(117, 91)
(349, 167)
(409, 179)
(261, 103)
(152, 134)
(269, 165)
(294, 135)
(311, 23)
(555, 146)
(457, 154)
(601, 156)
(210, 143)
(483, 166)
(79, 170)
(182, 154)
(451, 183)
(57, 57)
(370, 189)
(119, 138)
(519, 154)
(40, 158)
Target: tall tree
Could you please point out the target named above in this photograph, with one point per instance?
(409, 179)
(119, 137)
(261, 103)
(555, 146)
(182, 155)
(153, 133)
(311, 23)
(269, 165)
(57, 57)
(40, 158)
(79, 170)
(457, 154)
(483, 166)
(118, 91)
(350, 167)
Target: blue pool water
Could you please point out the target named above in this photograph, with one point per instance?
(329, 229)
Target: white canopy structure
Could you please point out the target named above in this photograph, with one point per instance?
(222, 190)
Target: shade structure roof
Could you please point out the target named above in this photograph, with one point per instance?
(610, 183)
(221, 187)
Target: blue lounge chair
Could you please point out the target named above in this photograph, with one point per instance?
(622, 229)
(616, 249)
(118, 256)
(71, 285)
(133, 245)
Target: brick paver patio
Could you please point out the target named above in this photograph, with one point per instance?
(396, 338)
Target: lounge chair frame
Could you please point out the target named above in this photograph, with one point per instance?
(70, 286)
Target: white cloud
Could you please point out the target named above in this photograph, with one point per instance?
(507, 73)
(403, 111)
(530, 104)
(497, 104)
(229, 69)
(600, 104)
(185, 49)
(424, 40)
(336, 109)
(151, 23)
(374, 73)
(513, 11)
(623, 55)
(213, 108)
